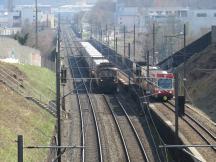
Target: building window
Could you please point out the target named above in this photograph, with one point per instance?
(201, 15)
(183, 13)
(214, 14)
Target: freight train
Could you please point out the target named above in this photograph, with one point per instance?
(103, 72)
(159, 84)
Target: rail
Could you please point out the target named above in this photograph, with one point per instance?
(91, 105)
(189, 119)
(79, 105)
(119, 130)
(134, 131)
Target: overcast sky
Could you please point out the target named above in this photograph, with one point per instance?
(52, 2)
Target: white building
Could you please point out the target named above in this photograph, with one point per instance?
(9, 31)
(128, 16)
(28, 13)
(10, 19)
(197, 20)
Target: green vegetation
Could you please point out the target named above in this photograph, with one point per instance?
(21, 38)
(41, 79)
(20, 116)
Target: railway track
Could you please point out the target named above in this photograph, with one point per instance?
(90, 131)
(114, 149)
(126, 142)
(190, 113)
(198, 127)
(76, 92)
(192, 132)
(132, 142)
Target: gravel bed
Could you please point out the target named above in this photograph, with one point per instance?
(138, 119)
(188, 132)
(111, 141)
(132, 144)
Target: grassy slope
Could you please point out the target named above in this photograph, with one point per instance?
(41, 79)
(19, 116)
(201, 82)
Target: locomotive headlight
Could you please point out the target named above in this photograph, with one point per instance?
(101, 80)
(159, 91)
(165, 98)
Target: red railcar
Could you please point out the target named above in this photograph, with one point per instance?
(159, 84)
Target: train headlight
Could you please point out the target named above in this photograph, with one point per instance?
(101, 80)
(159, 91)
(165, 98)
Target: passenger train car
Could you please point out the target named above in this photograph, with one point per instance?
(103, 72)
(160, 83)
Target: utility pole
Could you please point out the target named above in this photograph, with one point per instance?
(58, 95)
(129, 67)
(106, 34)
(91, 32)
(147, 79)
(116, 45)
(20, 148)
(114, 38)
(176, 106)
(153, 40)
(116, 48)
(134, 52)
(101, 35)
(124, 42)
(36, 24)
(184, 53)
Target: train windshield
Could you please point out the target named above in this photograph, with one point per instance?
(107, 73)
(165, 83)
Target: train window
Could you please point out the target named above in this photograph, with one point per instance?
(165, 83)
(107, 73)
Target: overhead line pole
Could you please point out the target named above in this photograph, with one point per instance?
(58, 106)
(134, 52)
(176, 106)
(114, 38)
(20, 148)
(129, 59)
(153, 40)
(184, 53)
(148, 71)
(116, 45)
(124, 42)
(106, 34)
(36, 24)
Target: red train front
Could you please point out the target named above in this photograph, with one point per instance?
(162, 86)
(159, 84)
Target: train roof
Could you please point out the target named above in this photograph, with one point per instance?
(157, 72)
(92, 52)
(100, 61)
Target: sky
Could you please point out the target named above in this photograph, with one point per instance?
(54, 2)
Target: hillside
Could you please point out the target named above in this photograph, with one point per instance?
(201, 81)
(20, 116)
